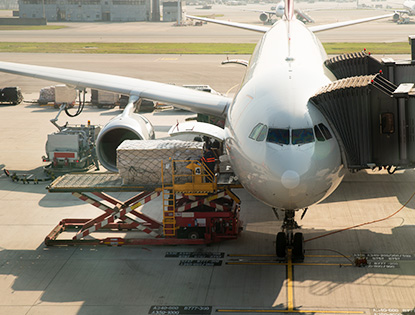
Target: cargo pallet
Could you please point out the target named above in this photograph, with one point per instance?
(196, 209)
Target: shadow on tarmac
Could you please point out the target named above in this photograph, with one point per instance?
(139, 276)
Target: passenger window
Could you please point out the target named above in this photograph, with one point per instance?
(279, 136)
(302, 136)
(318, 133)
(325, 131)
(387, 123)
(256, 131)
(262, 134)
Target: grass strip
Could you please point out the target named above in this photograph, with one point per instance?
(187, 48)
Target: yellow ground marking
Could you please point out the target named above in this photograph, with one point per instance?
(287, 311)
(285, 264)
(290, 284)
(312, 256)
(167, 59)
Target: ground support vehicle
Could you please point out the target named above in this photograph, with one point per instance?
(58, 95)
(11, 95)
(199, 211)
(71, 148)
(104, 99)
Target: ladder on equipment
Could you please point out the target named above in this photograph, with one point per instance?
(169, 207)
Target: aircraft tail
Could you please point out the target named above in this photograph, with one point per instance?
(289, 9)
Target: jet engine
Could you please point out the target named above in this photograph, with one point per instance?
(263, 17)
(126, 126)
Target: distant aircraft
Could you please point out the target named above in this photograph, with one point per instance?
(266, 16)
(408, 8)
(235, 3)
(280, 146)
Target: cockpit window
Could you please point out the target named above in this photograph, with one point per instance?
(325, 131)
(255, 132)
(279, 136)
(302, 136)
(262, 134)
(318, 133)
(259, 132)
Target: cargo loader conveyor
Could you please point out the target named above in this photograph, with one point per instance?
(196, 209)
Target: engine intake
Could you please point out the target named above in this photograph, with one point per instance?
(127, 126)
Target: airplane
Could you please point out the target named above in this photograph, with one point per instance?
(409, 5)
(280, 146)
(266, 16)
(408, 8)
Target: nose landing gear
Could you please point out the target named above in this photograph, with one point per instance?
(287, 239)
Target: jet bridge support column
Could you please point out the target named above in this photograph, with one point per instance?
(390, 66)
(412, 43)
(403, 156)
(402, 94)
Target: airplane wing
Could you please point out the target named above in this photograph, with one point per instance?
(326, 27)
(314, 29)
(255, 28)
(192, 100)
(260, 11)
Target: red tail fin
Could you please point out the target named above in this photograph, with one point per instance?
(289, 9)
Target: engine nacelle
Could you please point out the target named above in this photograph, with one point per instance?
(263, 17)
(127, 126)
(395, 17)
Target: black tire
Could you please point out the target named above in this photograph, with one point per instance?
(298, 247)
(193, 235)
(281, 245)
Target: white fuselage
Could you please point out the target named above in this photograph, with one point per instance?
(279, 10)
(285, 173)
(410, 6)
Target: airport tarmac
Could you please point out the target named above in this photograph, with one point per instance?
(35, 279)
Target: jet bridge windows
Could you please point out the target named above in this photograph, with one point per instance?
(387, 123)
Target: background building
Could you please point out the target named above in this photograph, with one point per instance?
(88, 10)
(174, 11)
(8, 5)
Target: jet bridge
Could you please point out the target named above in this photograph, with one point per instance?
(374, 120)
(371, 108)
(354, 64)
(363, 63)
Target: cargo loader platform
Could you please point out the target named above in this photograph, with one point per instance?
(198, 211)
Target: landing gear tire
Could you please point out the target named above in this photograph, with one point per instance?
(193, 235)
(298, 247)
(281, 245)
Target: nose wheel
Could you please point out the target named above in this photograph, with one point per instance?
(289, 240)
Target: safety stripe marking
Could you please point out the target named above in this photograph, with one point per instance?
(118, 214)
(290, 284)
(206, 201)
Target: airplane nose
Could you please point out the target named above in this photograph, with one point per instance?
(290, 179)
